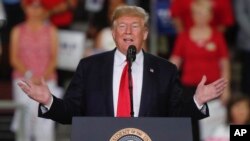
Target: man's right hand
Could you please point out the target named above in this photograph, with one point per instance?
(39, 93)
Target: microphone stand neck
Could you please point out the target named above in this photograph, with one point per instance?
(130, 88)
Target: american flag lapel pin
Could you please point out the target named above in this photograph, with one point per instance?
(151, 70)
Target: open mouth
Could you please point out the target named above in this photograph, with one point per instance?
(128, 40)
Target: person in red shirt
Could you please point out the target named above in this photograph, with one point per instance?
(222, 14)
(33, 55)
(202, 50)
(60, 12)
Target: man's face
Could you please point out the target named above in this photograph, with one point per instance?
(129, 31)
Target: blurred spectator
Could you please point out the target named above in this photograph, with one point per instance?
(2, 21)
(238, 109)
(201, 48)
(100, 17)
(97, 17)
(145, 4)
(217, 117)
(201, 51)
(222, 13)
(33, 56)
(133, 2)
(165, 28)
(14, 15)
(238, 113)
(60, 12)
(243, 42)
(103, 40)
(2, 16)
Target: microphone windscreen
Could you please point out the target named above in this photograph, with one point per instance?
(131, 53)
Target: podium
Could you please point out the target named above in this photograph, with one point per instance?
(131, 129)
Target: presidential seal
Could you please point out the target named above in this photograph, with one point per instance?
(130, 134)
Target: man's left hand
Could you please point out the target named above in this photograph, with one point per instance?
(205, 93)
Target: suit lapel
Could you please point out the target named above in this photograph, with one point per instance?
(148, 86)
(107, 82)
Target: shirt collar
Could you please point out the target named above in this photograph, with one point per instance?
(121, 58)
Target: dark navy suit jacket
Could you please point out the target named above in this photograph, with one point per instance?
(90, 92)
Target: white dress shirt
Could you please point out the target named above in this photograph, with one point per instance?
(137, 73)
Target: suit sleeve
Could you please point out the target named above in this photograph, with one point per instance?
(181, 105)
(62, 110)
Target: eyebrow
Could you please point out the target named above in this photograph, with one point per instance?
(131, 23)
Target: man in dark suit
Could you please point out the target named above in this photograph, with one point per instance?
(94, 88)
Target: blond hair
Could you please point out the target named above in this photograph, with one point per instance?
(127, 10)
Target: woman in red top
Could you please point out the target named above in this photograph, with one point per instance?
(201, 51)
(182, 15)
(60, 12)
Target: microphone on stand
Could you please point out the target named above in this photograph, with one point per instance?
(131, 55)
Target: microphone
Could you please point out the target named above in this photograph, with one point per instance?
(131, 53)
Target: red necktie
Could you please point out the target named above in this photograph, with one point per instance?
(123, 108)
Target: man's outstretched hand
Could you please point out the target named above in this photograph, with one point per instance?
(38, 92)
(205, 93)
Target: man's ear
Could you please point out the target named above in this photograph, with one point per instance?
(145, 36)
(113, 33)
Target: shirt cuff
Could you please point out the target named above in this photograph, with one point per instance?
(46, 108)
(202, 108)
(196, 103)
